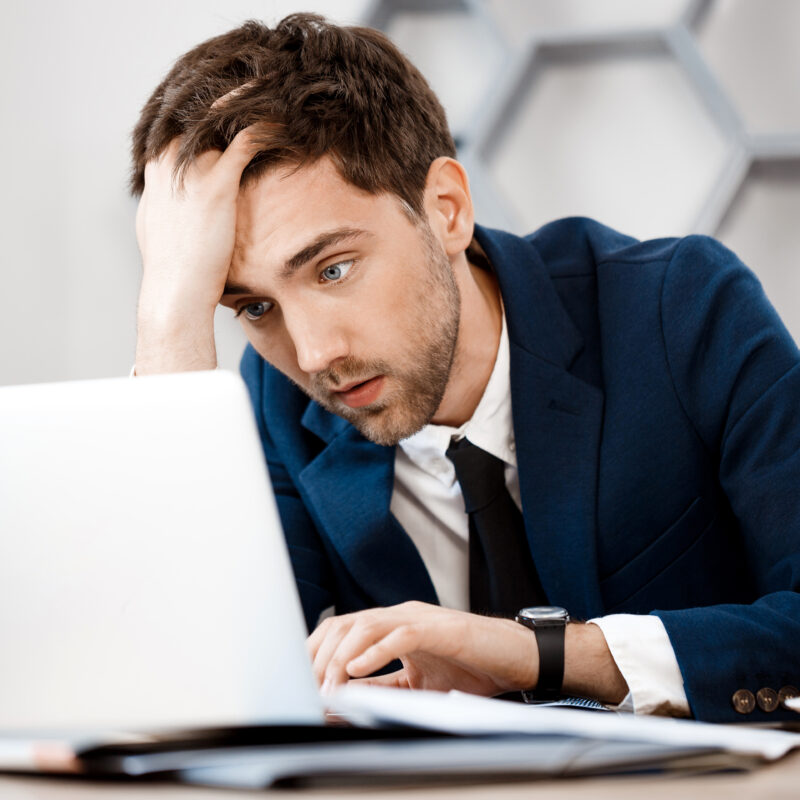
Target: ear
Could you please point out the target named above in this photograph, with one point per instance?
(448, 205)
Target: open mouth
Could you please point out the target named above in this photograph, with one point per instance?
(361, 394)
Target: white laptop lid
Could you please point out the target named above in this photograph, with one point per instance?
(144, 578)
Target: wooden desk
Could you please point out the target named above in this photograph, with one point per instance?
(780, 781)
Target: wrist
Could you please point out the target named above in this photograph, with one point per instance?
(589, 667)
(169, 307)
(524, 662)
(175, 344)
(175, 330)
(548, 624)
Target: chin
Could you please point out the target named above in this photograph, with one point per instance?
(387, 429)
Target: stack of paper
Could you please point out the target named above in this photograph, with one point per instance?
(464, 714)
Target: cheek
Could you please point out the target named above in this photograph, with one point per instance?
(276, 348)
(387, 316)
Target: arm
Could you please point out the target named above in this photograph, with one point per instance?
(736, 371)
(443, 649)
(186, 237)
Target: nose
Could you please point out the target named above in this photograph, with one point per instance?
(318, 340)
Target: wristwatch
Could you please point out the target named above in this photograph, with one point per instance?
(548, 624)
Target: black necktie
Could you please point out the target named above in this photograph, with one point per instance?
(502, 576)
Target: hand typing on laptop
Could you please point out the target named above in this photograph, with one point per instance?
(443, 649)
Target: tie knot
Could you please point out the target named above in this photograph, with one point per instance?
(480, 474)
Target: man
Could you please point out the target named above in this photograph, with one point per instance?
(637, 401)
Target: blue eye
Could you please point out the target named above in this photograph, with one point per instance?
(254, 311)
(335, 272)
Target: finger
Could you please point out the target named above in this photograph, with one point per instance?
(317, 636)
(165, 160)
(393, 680)
(174, 146)
(368, 627)
(326, 650)
(163, 164)
(402, 641)
(205, 161)
(140, 212)
(150, 168)
(194, 171)
(240, 151)
(221, 101)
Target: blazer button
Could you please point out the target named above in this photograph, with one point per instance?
(785, 692)
(767, 699)
(743, 701)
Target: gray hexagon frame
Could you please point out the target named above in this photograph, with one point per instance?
(522, 64)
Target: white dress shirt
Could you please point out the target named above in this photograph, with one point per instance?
(427, 502)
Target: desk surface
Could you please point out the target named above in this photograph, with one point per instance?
(779, 781)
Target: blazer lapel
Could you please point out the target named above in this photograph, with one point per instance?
(557, 425)
(349, 486)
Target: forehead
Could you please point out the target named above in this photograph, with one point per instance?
(285, 208)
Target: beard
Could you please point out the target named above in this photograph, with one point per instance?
(413, 389)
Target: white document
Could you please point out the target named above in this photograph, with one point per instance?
(460, 713)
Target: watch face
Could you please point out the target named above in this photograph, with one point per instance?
(544, 613)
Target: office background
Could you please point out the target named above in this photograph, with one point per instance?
(659, 118)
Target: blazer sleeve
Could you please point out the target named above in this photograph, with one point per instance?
(736, 371)
(306, 552)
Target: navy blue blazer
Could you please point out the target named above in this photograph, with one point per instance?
(656, 409)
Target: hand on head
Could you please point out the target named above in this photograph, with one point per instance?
(186, 226)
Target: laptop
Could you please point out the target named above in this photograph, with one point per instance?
(144, 579)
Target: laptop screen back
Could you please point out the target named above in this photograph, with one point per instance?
(144, 578)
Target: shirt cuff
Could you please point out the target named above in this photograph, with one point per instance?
(641, 648)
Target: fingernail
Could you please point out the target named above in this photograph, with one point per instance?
(325, 689)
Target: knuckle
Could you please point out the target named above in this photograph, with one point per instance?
(334, 668)
(411, 631)
(402, 633)
(330, 624)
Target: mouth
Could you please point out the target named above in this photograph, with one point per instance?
(357, 395)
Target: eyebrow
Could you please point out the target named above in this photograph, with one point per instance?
(303, 256)
(311, 251)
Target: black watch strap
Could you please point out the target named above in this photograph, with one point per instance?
(550, 641)
(549, 634)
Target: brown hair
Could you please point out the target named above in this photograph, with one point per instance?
(321, 89)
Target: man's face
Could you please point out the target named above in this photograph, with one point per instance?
(346, 296)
